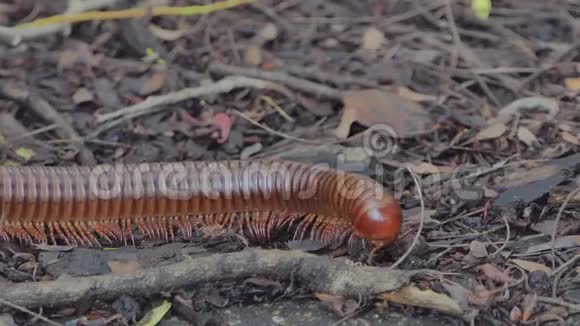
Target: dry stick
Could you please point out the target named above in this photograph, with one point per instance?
(570, 195)
(557, 273)
(153, 103)
(31, 313)
(302, 85)
(421, 220)
(45, 110)
(315, 273)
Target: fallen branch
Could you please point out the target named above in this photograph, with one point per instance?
(299, 84)
(315, 273)
(152, 103)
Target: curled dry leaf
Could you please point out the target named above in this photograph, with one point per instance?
(224, 124)
(529, 103)
(531, 266)
(373, 107)
(495, 274)
(413, 296)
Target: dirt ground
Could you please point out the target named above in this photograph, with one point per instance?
(470, 119)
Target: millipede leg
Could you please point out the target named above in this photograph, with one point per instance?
(100, 230)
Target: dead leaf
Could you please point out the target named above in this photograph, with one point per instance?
(493, 273)
(253, 55)
(477, 249)
(167, 34)
(413, 296)
(528, 305)
(413, 96)
(428, 168)
(82, 95)
(570, 138)
(120, 267)
(458, 292)
(485, 110)
(377, 107)
(153, 83)
(224, 124)
(531, 266)
(492, 132)
(373, 39)
(338, 304)
(572, 84)
(569, 241)
(516, 314)
(480, 298)
(268, 33)
(527, 137)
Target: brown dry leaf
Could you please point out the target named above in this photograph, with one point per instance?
(568, 241)
(527, 137)
(373, 39)
(153, 83)
(338, 304)
(492, 132)
(531, 266)
(570, 138)
(516, 314)
(253, 55)
(528, 305)
(167, 34)
(413, 296)
(428, 168)
(119, 267)
(413, 96)
(495, 274)
(458, 292)
(572, 84)
(374, 106)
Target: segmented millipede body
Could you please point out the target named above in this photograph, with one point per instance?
(89, 205)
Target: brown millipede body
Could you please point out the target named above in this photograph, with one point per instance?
(86, 205)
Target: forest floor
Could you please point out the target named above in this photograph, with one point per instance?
(483, 111)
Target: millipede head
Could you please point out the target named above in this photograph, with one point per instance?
(381, 223)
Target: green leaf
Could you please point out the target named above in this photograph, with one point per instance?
(481, 8)
(24, 153)
(155, 315)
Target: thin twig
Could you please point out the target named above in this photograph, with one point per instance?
(553, 249)
(156, 103)
(31, 313)
(559, 302)
(421, 220)
(303, 85)
(557, 273)
(507, 236)
(270, 130)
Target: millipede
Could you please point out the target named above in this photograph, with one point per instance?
(107, 203)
